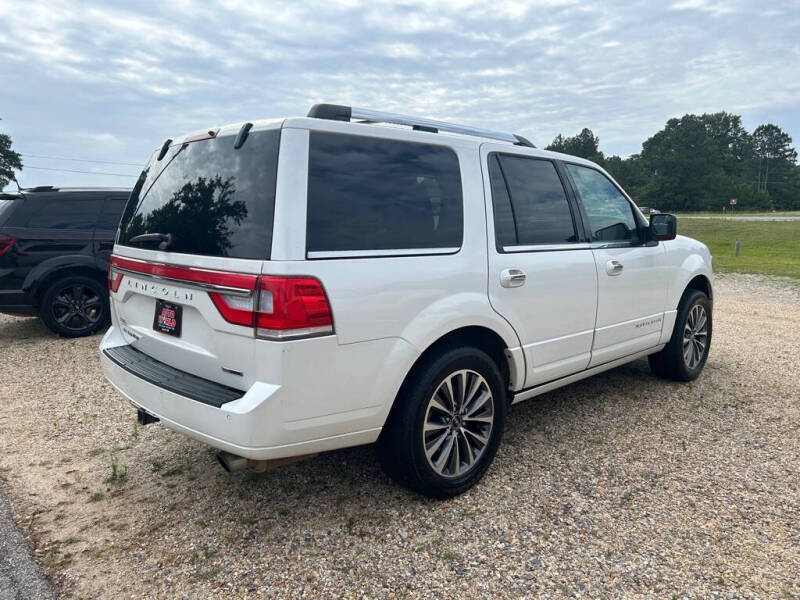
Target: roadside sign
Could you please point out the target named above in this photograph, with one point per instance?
(733, 201)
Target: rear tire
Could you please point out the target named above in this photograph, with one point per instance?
(75, 306)
(446, 425)
(684, 357)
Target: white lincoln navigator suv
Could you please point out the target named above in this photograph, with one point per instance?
(281, 288)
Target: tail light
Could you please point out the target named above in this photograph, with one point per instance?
(6, 241)
(114, 277)
(280, 308)
(277, 308)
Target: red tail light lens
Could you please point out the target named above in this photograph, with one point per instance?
(114, 277)
(281, 308)
(6, 241)
(291, 307)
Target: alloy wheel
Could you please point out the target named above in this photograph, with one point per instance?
(695, 336)
(458, 423)
(76, 307)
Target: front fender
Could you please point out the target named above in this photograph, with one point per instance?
(687, 258)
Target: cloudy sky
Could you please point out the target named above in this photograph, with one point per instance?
(109, 82)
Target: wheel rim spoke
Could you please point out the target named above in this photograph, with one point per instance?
(695, 336)
(431, 450)
(76, 307)
(458, 423)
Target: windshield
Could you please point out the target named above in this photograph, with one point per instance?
(208, 198)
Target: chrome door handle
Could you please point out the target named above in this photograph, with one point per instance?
(510, 278)
(613, 267)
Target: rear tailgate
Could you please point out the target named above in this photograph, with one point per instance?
(192, 242)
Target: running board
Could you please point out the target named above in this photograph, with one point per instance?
(552, 385)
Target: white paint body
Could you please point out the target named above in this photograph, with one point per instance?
(570, 319)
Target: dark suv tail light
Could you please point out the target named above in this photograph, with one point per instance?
(6, 241)
(276, 307)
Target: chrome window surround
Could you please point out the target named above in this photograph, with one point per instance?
(547, 247)
(379, 253)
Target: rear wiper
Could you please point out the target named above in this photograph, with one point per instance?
(165, 239)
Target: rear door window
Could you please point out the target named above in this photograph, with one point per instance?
(371, 194)
(529, 201)
(65, 211)
(211, 198)
(611, 217)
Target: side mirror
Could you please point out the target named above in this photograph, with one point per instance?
(663, 227)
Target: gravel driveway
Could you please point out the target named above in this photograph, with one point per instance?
(618, 486)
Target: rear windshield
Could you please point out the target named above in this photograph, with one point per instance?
(207, 198)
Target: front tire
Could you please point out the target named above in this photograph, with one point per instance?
(684, 357)
(75, 306)
(447, 424)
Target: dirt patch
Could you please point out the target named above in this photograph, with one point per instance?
(620, 485)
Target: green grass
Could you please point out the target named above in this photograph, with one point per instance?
(766, 247)
(741, 213)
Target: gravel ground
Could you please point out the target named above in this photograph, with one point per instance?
(619, 486)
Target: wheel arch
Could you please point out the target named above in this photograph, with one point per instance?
(700, 283)
(478, 336)
(38, 280)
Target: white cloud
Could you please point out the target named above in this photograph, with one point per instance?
(537, 68)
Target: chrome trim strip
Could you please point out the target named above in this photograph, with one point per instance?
(546, 247)
(542, 388)
(368, 253)
(290, 334)
(189, 284)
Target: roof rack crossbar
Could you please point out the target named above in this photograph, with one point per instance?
(347, 113)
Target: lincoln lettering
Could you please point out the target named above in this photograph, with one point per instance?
(159, 290)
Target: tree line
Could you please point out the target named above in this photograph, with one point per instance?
(697, 162)
(700, 162)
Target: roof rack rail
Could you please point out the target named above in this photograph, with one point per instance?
(336, 112)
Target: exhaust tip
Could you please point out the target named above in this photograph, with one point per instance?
(231, 462)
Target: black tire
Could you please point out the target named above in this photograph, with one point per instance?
(670, 363)
(83, 297)
(401, 449)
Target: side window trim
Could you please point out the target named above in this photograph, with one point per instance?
(329, 254)
(581, 219)
(577, 224)
(585, 216)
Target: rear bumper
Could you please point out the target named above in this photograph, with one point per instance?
(260, 424)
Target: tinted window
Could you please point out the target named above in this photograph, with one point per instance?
(213, 199)
(112, 211)
(5, 207)
(64, 211)
(376, 194)
(610, 214)
(505, 230)
(534, 208)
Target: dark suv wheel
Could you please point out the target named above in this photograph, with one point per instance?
(447, 425)
(684, 357)
(75, 305)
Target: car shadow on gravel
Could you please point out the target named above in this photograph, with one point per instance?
(15, 328)
(341, 479)
(21, 329)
